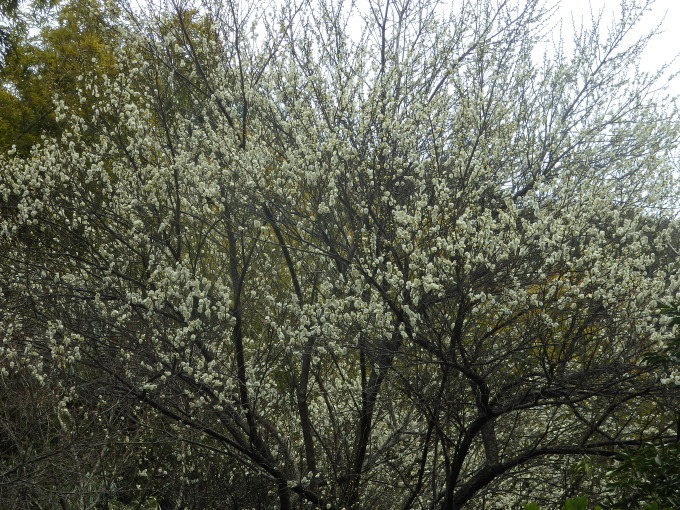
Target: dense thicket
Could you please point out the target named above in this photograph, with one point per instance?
(269, 259)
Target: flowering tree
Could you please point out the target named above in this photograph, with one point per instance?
(411, 268)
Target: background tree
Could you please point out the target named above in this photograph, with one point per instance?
(413, 269)
(74, 44)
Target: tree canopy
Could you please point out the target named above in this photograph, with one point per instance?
(268, 260)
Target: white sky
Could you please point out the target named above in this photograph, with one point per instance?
(663, 48)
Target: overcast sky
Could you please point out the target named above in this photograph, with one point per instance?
(663, 48)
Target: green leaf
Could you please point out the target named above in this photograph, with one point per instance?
(580, 503)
